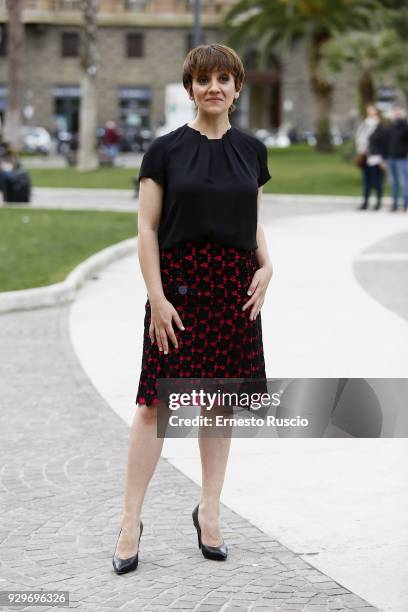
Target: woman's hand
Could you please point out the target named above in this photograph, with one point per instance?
(257, 290)
(161, 328)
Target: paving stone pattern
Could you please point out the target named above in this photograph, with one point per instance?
(63, 458)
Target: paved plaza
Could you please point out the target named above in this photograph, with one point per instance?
(63, 455)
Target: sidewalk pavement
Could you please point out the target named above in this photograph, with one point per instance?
(121, 200)
(124, 200)
(124, 160)
(64, 455)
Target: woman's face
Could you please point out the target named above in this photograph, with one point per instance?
(213, 93)
(372, 111)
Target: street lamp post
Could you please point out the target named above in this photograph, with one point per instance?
(197, 35)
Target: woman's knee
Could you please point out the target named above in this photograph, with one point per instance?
(148, 413)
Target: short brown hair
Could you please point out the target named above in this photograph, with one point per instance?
(207, 58)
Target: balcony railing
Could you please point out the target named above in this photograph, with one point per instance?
(110, 6)
(126, 6)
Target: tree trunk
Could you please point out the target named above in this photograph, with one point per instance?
(87, 154)
(12, 124)
(323, 92)
(366, 90)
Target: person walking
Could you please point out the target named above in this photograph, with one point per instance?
(397, 162)
(371, 145)
(206, 267)
(111, 139)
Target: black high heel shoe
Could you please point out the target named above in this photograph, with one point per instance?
(218, 553)
(122, 566)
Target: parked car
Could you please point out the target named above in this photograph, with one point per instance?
(309, 137)
(134, 138)
(63, 139)
(36, 140)
(278, 138)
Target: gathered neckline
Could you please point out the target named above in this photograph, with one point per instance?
(206, 137)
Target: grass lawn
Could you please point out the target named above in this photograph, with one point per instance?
(298, 170)
(302, 170)
(41, 247)
(102, 178)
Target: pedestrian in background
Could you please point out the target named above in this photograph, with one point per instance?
(111, 139)
(371, 143)
(397, 162)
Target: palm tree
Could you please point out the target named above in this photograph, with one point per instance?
(87, 155)
(370, 54)
(396, 18)
(12, 124)
(401, 75)
(280, 24)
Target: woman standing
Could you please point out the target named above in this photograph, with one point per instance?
(397, 162)
(371, 145)
(204, 259)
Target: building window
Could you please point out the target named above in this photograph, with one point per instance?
(66, 107)
(3, 40)
(134, 108)
(69, 44)
(134, 44)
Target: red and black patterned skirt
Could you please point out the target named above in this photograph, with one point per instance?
(207, 283)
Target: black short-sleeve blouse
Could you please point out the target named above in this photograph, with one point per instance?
(210, 186)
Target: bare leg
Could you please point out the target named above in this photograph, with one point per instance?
(143, 454)
(214, 453)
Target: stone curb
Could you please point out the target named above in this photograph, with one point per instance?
(65, 291)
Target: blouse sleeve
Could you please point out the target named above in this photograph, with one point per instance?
(153, 162)
(263, 174)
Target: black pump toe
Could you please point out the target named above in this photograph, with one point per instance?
(218, 553)
(122, 566)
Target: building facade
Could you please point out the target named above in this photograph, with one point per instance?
(142, 46)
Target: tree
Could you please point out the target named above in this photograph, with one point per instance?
(87, 154)
(401, 74)
(396, 18)
(280, 24)
(381, 51)
(12, 124)
(370, 54)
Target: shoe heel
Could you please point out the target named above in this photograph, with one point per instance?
(218, 553)
(122, 566)
(197, 526)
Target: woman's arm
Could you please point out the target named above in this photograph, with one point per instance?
(262, 254)
(263, 275)
(150, 207)
(163, 312)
